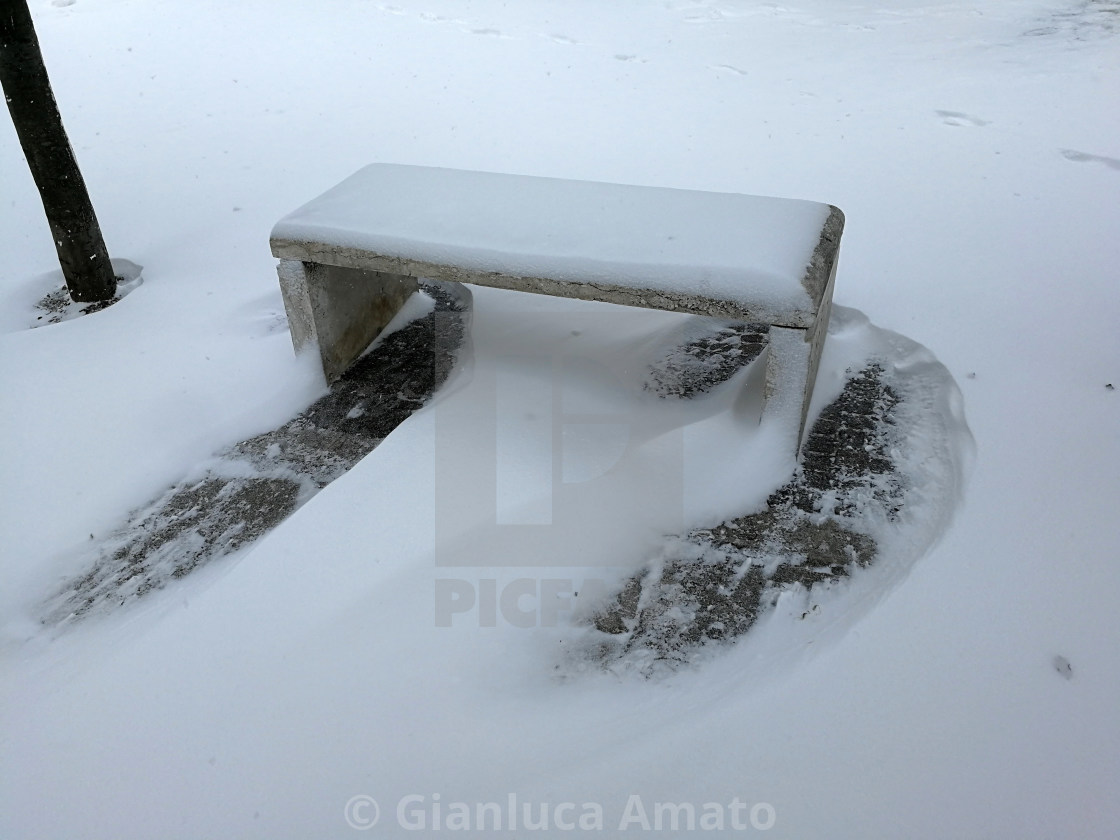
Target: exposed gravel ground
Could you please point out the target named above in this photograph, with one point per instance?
(251, 487)
(708, 587)
(712, 584)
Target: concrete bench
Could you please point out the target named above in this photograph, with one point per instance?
(350, 258)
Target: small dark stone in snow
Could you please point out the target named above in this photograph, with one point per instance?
(1062, 666)
(972, 376)
(1108, 387)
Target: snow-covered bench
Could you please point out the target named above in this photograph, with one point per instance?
(351, 257)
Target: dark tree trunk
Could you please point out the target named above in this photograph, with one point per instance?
(77, 236)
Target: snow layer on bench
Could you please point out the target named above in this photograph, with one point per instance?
(748, 250)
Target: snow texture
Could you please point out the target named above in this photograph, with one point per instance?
(963, 684)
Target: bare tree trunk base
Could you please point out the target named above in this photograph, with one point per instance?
(74, 228)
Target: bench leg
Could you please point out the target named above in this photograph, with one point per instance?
(339, 310)
(791, 373)
(791, 370)
(787, 383)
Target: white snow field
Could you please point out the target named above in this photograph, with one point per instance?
(307, 687)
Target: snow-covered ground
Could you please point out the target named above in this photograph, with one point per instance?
(973, 149)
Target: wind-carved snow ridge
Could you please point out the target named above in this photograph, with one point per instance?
(882, 470)
(250, 488)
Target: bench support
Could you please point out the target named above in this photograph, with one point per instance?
(339, 311)
(791, 370)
